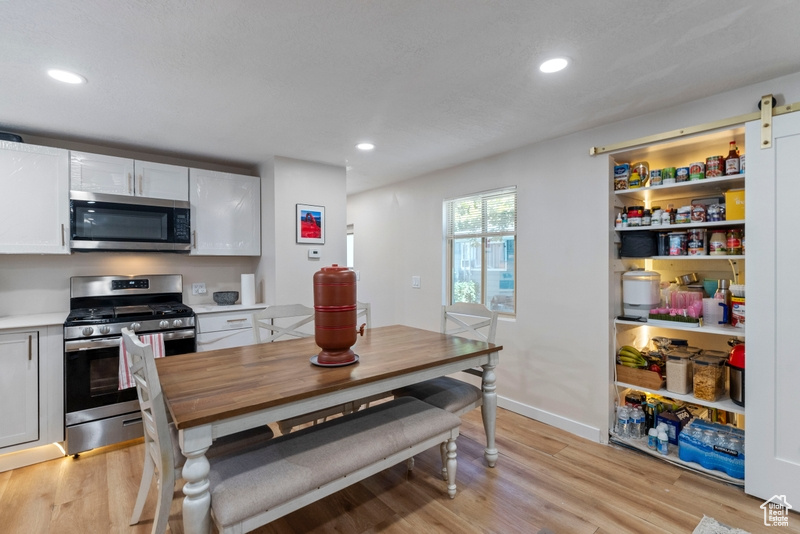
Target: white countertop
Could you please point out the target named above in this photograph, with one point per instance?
(201, 309)
(33, 320)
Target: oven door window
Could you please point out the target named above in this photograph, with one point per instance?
(92, 379)
(119, 222)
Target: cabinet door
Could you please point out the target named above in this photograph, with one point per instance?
(95, 173)
(772, 396)
(159, 180)
(35, 199)
(226, 213)
(19, 388)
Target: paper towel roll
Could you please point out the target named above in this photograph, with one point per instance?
(248, 289)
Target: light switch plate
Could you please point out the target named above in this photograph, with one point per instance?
(416, 283)
(313, 253)
(199, 288)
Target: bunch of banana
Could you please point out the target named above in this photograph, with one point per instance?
(631, 357)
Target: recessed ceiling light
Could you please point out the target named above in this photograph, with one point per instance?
(554, 65)
(66, 76)
(365, 146)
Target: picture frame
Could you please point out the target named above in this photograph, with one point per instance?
(310, 221)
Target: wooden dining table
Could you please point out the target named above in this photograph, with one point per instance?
(221, 392)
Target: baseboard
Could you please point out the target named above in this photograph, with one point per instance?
(15, 460)
(568, 425)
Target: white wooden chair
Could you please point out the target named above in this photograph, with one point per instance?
(266, 320)
(161, 450)
(456, 396)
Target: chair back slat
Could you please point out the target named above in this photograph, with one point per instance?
(142, 363)
(475, 320)
(364, 309)
(265, 320)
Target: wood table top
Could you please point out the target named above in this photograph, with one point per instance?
(201, 388)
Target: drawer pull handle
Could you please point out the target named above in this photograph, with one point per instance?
(237, 320)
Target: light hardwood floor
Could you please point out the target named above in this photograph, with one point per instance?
(545, 481)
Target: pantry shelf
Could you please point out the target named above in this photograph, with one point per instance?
(673, 458)
(722, 330)
(725, 404)
(684, 226)
(696, 188)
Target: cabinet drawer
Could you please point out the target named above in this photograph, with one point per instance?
(224, 321)
(224, 339)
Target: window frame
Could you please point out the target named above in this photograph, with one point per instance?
(484, 235)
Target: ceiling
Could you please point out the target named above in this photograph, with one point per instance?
(432, 83)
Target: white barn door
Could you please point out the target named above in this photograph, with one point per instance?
(772, 367)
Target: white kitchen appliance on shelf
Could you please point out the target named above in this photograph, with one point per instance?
(640, 292)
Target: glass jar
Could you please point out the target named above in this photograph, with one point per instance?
(734, 241)
(718, 243)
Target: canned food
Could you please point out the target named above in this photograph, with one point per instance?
(668, 175)
(682, 174)
(698, 213)
(655, 177)
(697, 170)
(715, 166)
(696, 242)
(677, 244)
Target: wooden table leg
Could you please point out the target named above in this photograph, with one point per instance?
(197, 500)
(489, 409)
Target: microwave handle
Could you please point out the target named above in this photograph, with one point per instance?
(130, 188)
(141, 187)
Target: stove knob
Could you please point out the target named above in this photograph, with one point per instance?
(177, 323)
(87, 331)
(163, 324)
(105, 329)
(135, 326)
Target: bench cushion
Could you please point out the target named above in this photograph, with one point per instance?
(444, 392)
(292, 465)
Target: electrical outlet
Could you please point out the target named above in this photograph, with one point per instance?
(415, 282)
(199, 288)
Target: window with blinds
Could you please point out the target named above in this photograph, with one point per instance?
(480, 232)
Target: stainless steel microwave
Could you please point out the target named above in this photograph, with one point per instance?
(128, 223)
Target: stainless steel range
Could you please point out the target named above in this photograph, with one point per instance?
(98, 413)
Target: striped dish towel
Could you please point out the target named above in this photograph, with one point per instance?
(125, 377)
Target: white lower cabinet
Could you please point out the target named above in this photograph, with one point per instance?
(223, 330)
(226, 213)
(32, 394)
(19, 388)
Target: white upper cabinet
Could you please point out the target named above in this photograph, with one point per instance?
(34, 199)
(226, 213)
(96, 173)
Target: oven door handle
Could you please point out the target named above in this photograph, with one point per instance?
(109, 342)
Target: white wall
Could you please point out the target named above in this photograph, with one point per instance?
(300, 182)
(555, 364)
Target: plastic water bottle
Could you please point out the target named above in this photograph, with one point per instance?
(623, 421)
(637, 423)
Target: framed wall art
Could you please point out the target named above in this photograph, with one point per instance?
(310, 224)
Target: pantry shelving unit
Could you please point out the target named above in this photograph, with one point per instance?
(675, 153)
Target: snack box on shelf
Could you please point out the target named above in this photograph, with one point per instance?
(720, 457)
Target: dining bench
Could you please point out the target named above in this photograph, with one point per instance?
(252, 489)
